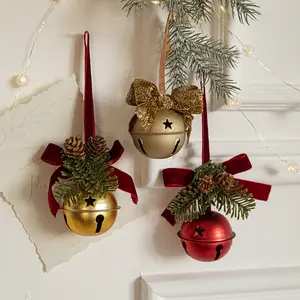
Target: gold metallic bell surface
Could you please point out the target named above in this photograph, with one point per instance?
(165, 138)
(92, 216)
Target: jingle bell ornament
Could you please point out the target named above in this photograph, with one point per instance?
(165, 138)
(92, 216)
(205, 235)
(85, 179)
(208, 238)
(162, 123)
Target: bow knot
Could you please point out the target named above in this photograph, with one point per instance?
(186, 100)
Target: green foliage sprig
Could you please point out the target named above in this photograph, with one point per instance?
(198, 52)
(192, 201)
(85, 176)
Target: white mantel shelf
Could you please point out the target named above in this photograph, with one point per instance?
(261, 284)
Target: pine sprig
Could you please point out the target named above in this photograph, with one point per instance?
(190, 203)
(246, 10)
(238, 203)
(202, 10)
(134, 5)
(195, 51)
(86, 177)
(176, 63)
(201, 54)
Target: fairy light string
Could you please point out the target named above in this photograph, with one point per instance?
(249, 51)
(22, 79)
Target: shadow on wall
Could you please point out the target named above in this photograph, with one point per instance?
(137, 289)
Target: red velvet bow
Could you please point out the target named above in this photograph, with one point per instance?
(175, 177)
(52, 154)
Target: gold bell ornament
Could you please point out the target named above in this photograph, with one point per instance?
(82, 186)
(162, 122)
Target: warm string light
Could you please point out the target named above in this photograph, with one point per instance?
(22, 79)
(249, 51)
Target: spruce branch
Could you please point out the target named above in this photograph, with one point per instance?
(136, 5)
(200, 54)
(195, 51)
(246, 10)
(238, 203)
(176, 62)
(86, 177)
(190, 203)
(202, 10)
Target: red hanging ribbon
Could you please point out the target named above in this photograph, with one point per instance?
(52, 154)
(175, 177)
(89, 117)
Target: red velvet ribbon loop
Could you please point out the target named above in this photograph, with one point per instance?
(205, 136)
(89, 117)
(53, 153)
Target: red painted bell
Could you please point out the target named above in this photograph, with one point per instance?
(208, 238)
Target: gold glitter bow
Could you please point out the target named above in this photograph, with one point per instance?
(185, 100)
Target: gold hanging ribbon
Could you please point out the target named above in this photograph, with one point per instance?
(164, 55)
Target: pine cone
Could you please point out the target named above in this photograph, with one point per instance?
(96, 146)
(74, 147)
(225, 181)
(206, 184)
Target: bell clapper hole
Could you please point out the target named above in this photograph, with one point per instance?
(219, 249)
(184, 247)
(177, 142)
(66, 221)
(99, 220)
(140, 141)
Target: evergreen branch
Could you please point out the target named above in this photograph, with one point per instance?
(85, 177)
(136, 5)
(246, 10)
(191, 202)
(189, 205)
(220, 84)
(176, 62)
(206, 47)
(201, 54)
(238, 202)
(202, 10)
(195, 51)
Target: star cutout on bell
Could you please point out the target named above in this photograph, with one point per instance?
(199, 231)
(168, 124)
(90, 201)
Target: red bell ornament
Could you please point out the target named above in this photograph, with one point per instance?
(208, 238)
(207, 235)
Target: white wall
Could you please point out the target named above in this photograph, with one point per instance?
(124, 48)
